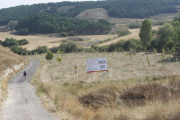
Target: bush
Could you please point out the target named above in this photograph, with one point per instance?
(71, 33)
(133, 26)
(69, 47)
(0, 42)
(124, 32)
(40, 50)
(10, 42)
(23, 42)
(63, 34)
(111, 48)
(54, 49)
(19, 50)
(142, 93)
(23, 31)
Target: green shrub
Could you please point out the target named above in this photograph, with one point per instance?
(124, 32)
(0, 42)
(54, 49)
(40, 50)
(71, 33)
(133, 26)
(19, 50)
(159, 23)
(139, 48)
(111, 48)
(63, 34)
(69, 47)
(10, 42)
(23, 31)
(23, 42)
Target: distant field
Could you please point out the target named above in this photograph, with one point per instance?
(121, 24)
(40, 40)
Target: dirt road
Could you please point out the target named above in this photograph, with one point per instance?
(134, 35)
(22, 103)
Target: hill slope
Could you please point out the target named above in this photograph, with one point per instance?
(8, 59)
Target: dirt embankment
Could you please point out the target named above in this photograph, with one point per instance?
(8, 60)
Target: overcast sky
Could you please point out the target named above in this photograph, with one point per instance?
(12, 3)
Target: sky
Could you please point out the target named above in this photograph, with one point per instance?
(12, 3)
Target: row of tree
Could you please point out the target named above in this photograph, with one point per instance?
(50, 23)
(167, 37)
(115, 8)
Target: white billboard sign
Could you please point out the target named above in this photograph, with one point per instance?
(96, 65)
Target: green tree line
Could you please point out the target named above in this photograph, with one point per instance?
(50, 23)
(115, 8)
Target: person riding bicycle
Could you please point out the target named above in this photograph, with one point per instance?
(25, 75)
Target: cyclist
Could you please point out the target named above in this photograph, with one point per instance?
(25, 75)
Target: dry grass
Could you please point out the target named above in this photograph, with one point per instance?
(40, 40)
(107, 96)
(111, 105)
(4, 85)
(121, 66)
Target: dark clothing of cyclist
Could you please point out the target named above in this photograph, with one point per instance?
(24, 73)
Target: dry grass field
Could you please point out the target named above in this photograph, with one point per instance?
(143, 86)
(34, 40)
(40, 40)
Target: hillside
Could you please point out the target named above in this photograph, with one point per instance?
(117, 8)
(8, 59)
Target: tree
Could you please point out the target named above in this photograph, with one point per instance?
(11, 25)
(49, 56)
(165, 31)
(10, 42)
(23, 31)
(146, 33)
